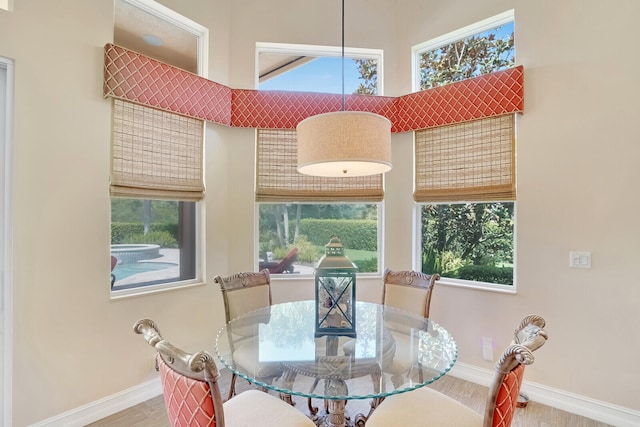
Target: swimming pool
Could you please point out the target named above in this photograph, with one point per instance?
(122, 271)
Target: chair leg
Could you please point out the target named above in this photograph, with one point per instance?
(232, 386)
(313, 410)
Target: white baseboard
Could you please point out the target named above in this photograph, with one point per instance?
(601, 411)
(596, 410)
(104, 407)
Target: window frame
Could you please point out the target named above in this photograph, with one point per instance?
(6, 238)
(453, 36)
(202, 35)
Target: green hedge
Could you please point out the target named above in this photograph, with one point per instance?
(161, 238)
(358, 234)
(484, 273)
(367, 266)
(121, 231)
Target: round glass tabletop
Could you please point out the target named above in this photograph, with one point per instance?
(393, 351)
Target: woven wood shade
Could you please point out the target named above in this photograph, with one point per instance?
(155, 154)
(470, 161)
(277, 178)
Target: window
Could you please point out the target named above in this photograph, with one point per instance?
(156, 179)
(465, 173)
(318, 69)
(153, 240)
(309, 227)
(303, 212)
(469, 241)
(156, 162)
(481, 48)
(4, 4)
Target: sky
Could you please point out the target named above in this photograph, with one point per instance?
(324, 74)
(320, 75)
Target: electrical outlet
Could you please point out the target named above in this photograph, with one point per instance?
(487, 349)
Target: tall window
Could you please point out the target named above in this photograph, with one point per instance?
(465, 173)
(298, 214)
(156, 180)
(156, 161)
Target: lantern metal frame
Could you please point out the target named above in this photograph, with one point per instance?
(335, 293)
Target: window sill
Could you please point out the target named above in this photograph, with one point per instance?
(480, 286)
(154, 289)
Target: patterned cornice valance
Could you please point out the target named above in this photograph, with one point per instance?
(137, 78)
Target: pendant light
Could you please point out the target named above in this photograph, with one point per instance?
(344, 143)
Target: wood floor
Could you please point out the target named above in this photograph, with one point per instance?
(152, 413)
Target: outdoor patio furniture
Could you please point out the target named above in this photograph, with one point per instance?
(284, 266)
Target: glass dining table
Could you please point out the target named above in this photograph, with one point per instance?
(394, 351)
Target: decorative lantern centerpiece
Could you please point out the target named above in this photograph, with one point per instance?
(335, 292)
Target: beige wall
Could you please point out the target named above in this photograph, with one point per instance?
(577, 173)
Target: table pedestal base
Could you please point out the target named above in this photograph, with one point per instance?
(336, 416)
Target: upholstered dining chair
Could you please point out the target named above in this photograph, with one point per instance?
(241, 293)
(408, 290)
(427, 407)
(192, 395)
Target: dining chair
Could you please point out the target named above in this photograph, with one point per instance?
(192, 394)
(408, 290)
(241, 293)
(428, 407)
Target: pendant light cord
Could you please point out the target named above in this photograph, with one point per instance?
(342, 55)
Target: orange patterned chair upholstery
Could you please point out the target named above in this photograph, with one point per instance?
(427, 407)
(192, 395)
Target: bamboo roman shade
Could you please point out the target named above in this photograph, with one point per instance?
(470, 161)
(277, 178)
(155, 154)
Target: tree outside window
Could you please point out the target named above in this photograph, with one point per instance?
(483, 53)
(469, 241)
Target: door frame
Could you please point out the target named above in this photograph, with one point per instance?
(6, 239)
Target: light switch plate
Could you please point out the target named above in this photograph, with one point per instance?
(579, 259)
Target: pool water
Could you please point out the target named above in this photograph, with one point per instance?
(122, 271)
